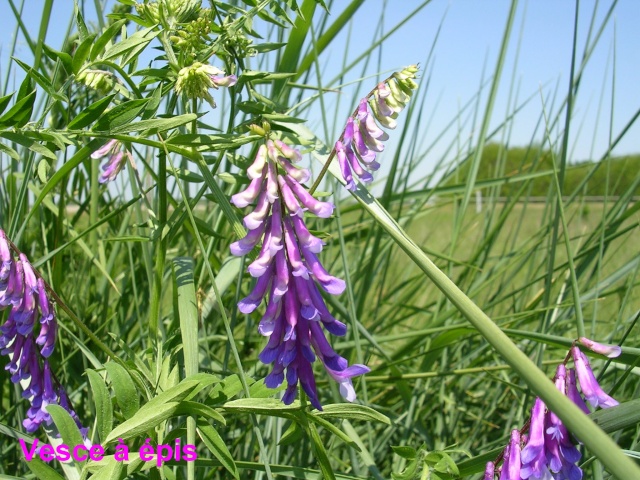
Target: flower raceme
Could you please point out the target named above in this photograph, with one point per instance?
(116, 161)
(549, 451)
(26, 296)
(290, 275)
(196, 80)
(362, 138)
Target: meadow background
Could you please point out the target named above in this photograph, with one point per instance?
(514, 170)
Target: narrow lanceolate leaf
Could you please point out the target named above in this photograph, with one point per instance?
(91, 113)
(144, 420)
(102, 401)
(43, 471)
(155, 125)
(352, 411)
(125, 389)
(67, 427)
(160, 408)
(216, 445)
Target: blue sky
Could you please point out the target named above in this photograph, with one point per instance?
(469, 41)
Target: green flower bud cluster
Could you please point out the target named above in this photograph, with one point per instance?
(387, 104)
(169, 12)
(99, 80)
(195, 81)
(193, 37)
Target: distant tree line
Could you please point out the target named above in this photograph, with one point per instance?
(499, 161)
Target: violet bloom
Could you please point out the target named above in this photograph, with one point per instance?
(289, 275)
(511, 464)
(116, 161)
(362, 138)
(27, 296)
(533, 457)
(611, 351)
(588, 383)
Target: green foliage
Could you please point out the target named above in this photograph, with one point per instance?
(612, 176)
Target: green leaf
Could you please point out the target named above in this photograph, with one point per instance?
(353, 411)
(124, 388)
(291, 435)
(4, 101)
(81, 54)
(30, 144)
(41, 80)
(144, 420)
(217, 446)
(120, 115)
(82, 27)
(333, 429)
(155, 125)
(160, 408)
(264, 406)
(67, 427)
(108, 34)
(320, 452)
(9, 151)
(196, 409)
(65, 58)
(408, 453)
(91, 113)
(42, 471)
(139, 39)
(102, 401)
(20, 113)
(113, 470)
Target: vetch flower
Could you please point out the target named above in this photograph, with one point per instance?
(534, 460)
(362, 139)
(26, 294)
(511, 464)
(611, 351)
(116, 161)
(588, 383)
(196, 80)
(290, 275)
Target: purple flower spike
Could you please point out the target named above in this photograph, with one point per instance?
(362, 138)
(611, 351)
(295, 314)
(26, 294)
(588, 383)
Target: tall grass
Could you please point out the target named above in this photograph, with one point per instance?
(461, 309)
